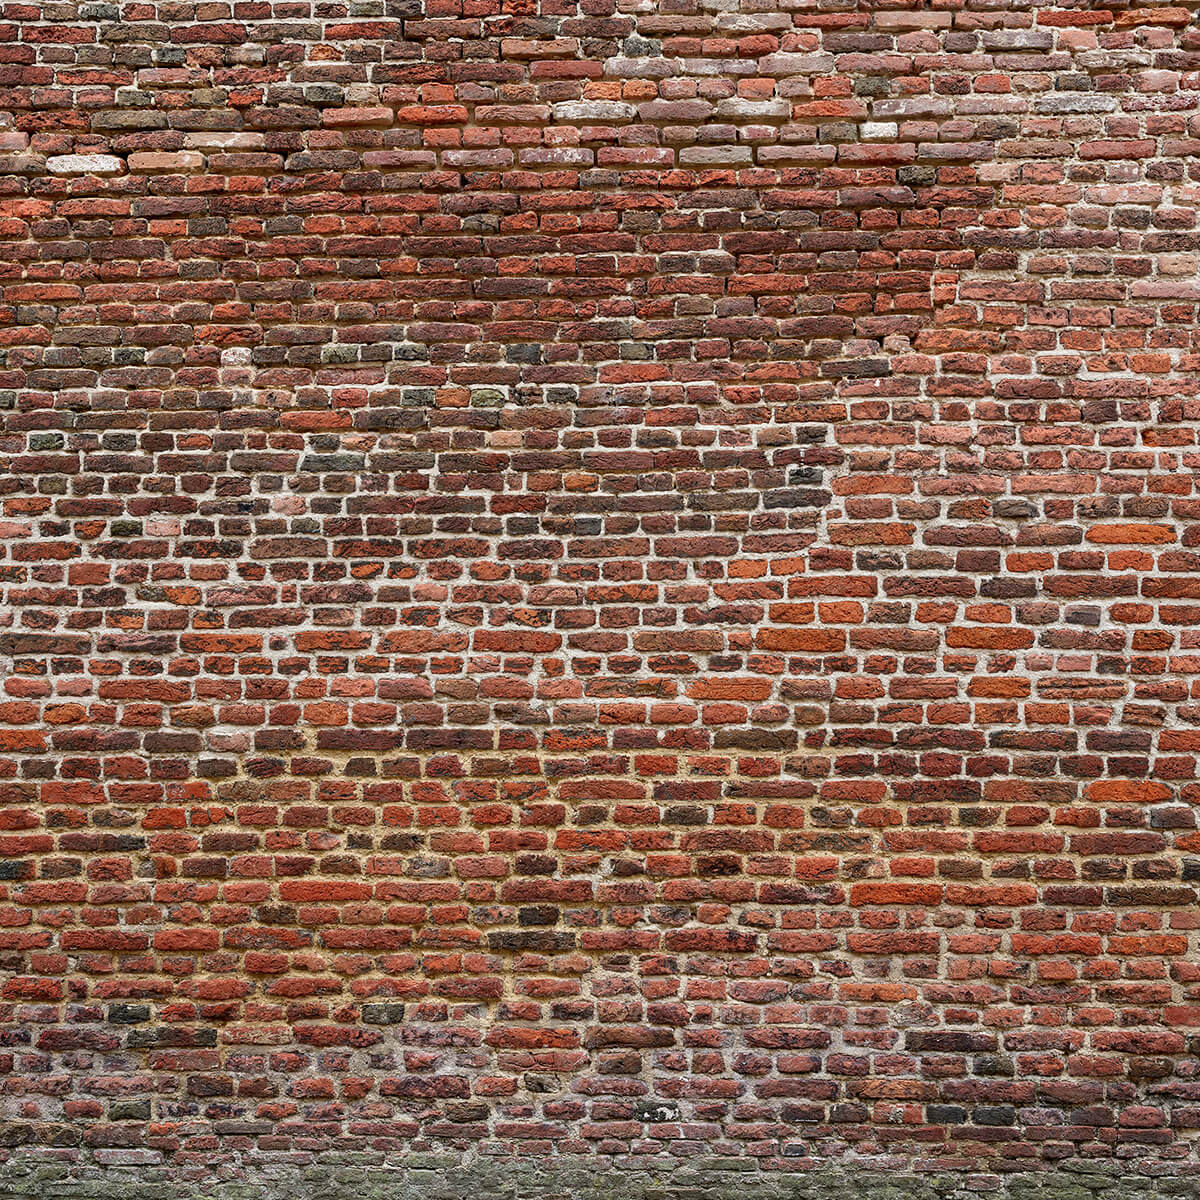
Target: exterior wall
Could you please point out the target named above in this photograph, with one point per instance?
(599, 586)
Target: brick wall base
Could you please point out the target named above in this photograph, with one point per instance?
(365, 1176)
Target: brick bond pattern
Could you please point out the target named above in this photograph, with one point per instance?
(600, 580)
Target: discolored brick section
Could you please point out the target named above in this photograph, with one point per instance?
(599, 597)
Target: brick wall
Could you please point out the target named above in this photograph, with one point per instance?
(607, 581)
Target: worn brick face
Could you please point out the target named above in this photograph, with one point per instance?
(607, 581)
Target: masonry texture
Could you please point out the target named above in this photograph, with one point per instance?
(599, 586)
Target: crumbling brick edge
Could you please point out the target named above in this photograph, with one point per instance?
(43, 1175)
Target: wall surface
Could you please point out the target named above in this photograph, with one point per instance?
(599, 586)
